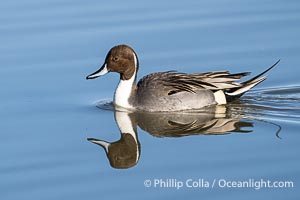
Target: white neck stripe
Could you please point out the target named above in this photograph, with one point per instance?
(135, 61)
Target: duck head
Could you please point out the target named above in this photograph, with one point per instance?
(121, 59)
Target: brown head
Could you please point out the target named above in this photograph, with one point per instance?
(121, 59)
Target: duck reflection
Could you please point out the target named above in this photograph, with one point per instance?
(125, 152)
(211, 121)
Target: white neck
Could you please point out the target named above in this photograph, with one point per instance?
(124, 89)
(123, 93)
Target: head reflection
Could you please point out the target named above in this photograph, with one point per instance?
(125, 152)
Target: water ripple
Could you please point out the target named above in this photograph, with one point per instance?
(281, 103)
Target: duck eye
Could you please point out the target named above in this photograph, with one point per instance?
(115, 59)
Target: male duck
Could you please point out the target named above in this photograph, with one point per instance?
(171, 91)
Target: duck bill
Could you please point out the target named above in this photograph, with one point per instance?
(101, 143)
(102, 71)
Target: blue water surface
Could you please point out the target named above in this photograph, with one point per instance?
(48, 109)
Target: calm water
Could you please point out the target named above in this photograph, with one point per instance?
(48, 109)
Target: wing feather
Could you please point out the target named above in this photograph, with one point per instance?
(177, 82)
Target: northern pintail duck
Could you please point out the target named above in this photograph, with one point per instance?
(171, 91)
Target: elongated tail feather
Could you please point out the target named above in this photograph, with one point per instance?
(247, 85)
